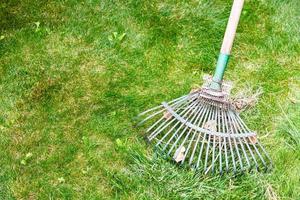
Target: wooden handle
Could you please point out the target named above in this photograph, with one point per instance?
(232, 26)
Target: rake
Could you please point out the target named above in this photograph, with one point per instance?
(202, 128)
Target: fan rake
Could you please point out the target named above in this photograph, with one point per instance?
(203, 129)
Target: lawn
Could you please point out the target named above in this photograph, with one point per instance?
(74, 74)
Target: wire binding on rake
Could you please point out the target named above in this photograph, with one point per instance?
(204, 131)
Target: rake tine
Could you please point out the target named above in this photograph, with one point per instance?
(240, 122)
(254, 146)
(265, 152)
(159, 129)
(182, 124)
(259, 155)
(149, 110)
(186, 111)
(201, 149)
(237, 128)
(195, 147)
(192, 119)
(206, 155)
(150, 116)
(187, 150)
(224, 129)
(230, 145)
(208, 146)
(158, 112)
(220, 142)
(245, 127)
(171, 129)
(220, 155)
(213, 156)
(226, 155)
(199, 134)
(160, 106)
(251, 153)
(245, 153)
(232, 155)
(238, 153)
(159, 142)
(158, 121)
(234, 140)
(214, 139)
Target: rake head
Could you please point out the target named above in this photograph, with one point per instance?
(203, 130)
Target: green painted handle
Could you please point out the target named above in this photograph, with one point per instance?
(227, 44)
(219, 72)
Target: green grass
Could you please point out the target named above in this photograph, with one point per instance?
(74, 74)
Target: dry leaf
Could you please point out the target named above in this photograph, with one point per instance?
(179, 154)
(167, 115)
(253, 139)
(211, 125)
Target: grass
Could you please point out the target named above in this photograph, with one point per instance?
(74, 74)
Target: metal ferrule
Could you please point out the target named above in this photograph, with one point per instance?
(219, 73)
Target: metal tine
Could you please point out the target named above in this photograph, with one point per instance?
(206, 154)
(203, 114)
(149, 110)
(167, 133)
(214, 145)
(220, 141)
(230, 145)
(179, 137)
(158, 129)
(178, 122)
(245, 153)
(202, 143)
(231, 124)
(237, 128)
(150, 116)
(220, 155)
(199, 135)
(186, 137)
(177, 108)
(208, 143)
(258, 153)
(160, 106)
(182, 124)
(254, 146)
(260, 156)
(217, 117)
(243, 125)
(225, 145)
(158, 112)
(267, 155)
(224, 141)
(170, 130)
(153, 125)
(246, 142)
(251, 153)
(186, 111)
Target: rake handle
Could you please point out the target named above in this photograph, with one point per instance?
(227, 44)
(232, 26)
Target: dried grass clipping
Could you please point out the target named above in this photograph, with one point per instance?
(246, 98)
